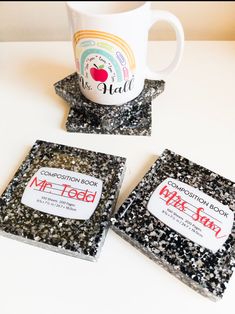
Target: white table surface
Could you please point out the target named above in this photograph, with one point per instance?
(194, 117)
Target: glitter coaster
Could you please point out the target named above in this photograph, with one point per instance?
(61, 199)
(181, 215)
(132, 118)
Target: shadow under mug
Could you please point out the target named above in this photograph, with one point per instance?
(110, 47)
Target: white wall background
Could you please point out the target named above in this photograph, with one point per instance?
(206, 20)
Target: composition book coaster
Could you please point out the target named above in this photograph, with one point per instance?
(61, 199)
(132, 118)
(181, 215)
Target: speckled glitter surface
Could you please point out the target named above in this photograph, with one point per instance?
(75, 237)
(132, 118)
(202, 269)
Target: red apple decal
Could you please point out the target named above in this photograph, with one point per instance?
(98, 73)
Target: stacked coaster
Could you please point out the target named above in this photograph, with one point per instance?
(61, 199)
(181, 215)
(132, 118)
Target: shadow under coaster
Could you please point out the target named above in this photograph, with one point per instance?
(85, 116)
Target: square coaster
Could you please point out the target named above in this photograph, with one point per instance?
(61, 199)
(181, 215)
(132, 118)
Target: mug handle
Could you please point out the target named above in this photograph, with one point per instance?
(166, 16)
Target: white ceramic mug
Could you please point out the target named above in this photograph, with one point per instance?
(110, 46)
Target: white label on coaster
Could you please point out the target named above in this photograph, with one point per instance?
(192, 213)
(63, 193)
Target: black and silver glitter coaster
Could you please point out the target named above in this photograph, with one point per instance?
(61, 199)
(132, 118)
(181, 215)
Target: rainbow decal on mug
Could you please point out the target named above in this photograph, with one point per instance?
(104, 61)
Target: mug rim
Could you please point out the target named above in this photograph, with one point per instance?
(71, 6)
